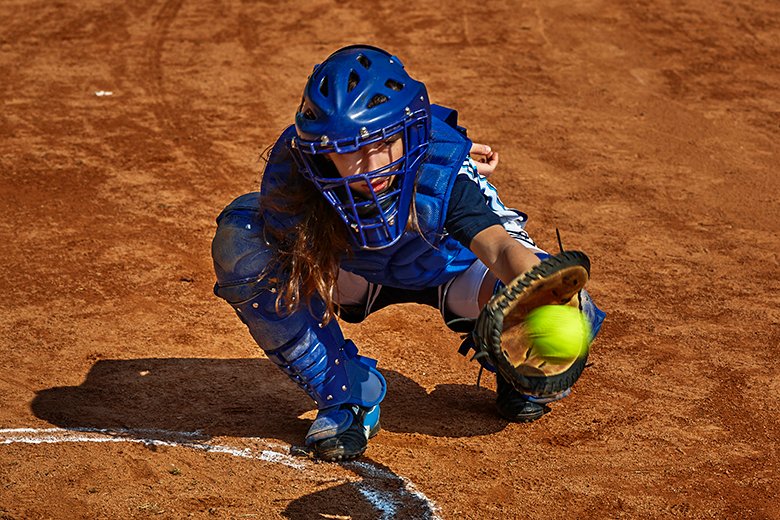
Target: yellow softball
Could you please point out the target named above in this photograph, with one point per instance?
(558, 333)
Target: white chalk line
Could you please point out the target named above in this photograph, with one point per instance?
(408, 486)
(386, 503)
(100, 435)
(387, 507)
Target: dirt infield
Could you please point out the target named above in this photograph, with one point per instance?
(646, 131)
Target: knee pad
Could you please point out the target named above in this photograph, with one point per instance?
(594, 314)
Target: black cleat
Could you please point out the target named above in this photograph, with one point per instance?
(514, 406)
(352, 442)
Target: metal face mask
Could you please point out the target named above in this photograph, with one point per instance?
(360, 96)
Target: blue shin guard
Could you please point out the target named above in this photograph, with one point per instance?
(314, 355)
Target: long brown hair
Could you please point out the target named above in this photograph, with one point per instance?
(309, 250)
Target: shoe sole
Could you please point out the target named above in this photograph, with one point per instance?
(523, 418)
(337, 455)
(326, 457)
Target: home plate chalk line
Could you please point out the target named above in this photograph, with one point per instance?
(387, 492)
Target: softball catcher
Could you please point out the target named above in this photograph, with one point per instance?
(372, 198)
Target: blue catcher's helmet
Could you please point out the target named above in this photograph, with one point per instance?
(358, 96)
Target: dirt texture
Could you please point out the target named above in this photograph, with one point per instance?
(646, 131)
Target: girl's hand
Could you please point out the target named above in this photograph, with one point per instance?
(485, 157)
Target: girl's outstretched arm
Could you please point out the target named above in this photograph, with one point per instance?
(503, 255)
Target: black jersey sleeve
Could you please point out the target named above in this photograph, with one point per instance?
(467, 213)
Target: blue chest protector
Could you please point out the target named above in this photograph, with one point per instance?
(417, 260)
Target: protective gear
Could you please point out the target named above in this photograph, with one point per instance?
(341, 432)
(500, 339)
(412, 262)
(315, 356)
(358, 96)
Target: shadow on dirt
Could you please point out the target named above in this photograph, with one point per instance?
(379, 494)
(342, 501)
(244, 398)
(450, 410)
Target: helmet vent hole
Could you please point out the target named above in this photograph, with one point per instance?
(394, 85)
(354, 79)
(378, 99)
(324, 86)
(365, 62)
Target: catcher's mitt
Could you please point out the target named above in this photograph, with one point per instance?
(499, 334)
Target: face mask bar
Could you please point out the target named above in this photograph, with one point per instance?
(373, 217)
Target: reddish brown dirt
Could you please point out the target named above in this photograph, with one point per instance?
(646, 131)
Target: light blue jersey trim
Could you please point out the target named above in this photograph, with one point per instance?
(514, 221)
